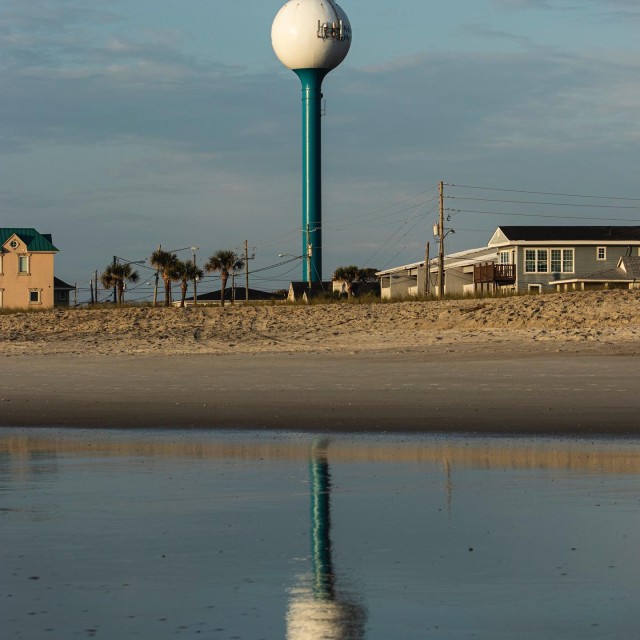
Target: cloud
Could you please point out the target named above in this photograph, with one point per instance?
(521, 4)
(618, 10)
(119, 138)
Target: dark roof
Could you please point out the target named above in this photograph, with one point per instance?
(631, 265)
(34, 240)
(628, 270)
(254, 294)
(569, 233)
(606, 276)
(300, 287)
(62, 285)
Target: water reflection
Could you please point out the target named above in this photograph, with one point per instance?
(576, 454)
(159, 534)
(318, 609)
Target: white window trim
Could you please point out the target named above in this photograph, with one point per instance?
(537, 250)
(573, 259)
(598, 258)
(39, 292)
(548, 261)
(534, 288)
(28, 257)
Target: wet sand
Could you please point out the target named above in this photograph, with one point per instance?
(564, 363)
(590, 393)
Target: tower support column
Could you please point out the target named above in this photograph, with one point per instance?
(311, 80)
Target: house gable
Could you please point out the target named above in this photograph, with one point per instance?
(631, 266)
(498, 238)
(14, 244)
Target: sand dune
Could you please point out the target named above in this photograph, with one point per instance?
(568, 321)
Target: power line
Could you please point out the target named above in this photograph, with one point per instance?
(278, 238)
(375, 226)
(393, 204)
(548, 204)
(411, 228)
(543, 193)
(279, 264)
(539, 215)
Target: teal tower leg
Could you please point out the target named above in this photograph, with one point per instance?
(311, 80)
(321, 523)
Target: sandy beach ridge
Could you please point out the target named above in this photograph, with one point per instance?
(571, 321)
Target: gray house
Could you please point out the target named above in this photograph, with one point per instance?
(543, 255)
(520, 259)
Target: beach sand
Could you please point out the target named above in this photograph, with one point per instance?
(553, 364)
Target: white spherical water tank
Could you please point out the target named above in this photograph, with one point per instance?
(311, 34)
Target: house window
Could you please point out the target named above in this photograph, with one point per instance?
(505, 257)
(561, 260)
(535, 288)
(549, 260)
(601, 253)
(567, 261)
(34, 296)
(23, 264)
(536, 261)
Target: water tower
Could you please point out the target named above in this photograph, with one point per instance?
(311, 37)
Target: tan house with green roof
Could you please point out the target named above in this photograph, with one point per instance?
(26, 268)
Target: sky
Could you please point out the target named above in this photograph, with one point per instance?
(125, 125)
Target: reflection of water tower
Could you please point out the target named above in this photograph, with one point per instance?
(311, 37)
(318, 610)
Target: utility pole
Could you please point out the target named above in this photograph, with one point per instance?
(246, 271)
(91, 290)
(195, 280)
(95, 287)
(441, 235)
(115, 288)
(426, 271)
(155, 288)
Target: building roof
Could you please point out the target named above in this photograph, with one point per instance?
(254, 294)
(628, 270)
(452, 260)
(300, 287)
(34, 240)
(571, 233)
(631, 265)
(62, 285)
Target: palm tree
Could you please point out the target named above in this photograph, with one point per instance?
(225, 261)
(115, 275)
(368, 274)
(187, 271)
(349, 275)
(165, 264)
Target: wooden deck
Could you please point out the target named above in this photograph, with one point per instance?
(490, 272)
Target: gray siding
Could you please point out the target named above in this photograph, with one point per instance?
(585, 263)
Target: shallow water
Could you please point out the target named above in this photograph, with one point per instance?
(163, 534)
